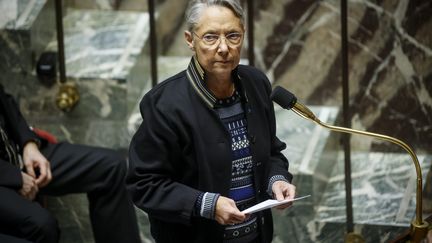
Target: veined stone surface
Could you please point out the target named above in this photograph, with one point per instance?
(297, 44)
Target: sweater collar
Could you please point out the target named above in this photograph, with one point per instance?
(197, 77)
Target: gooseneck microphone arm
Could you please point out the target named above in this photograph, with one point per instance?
(287, 100)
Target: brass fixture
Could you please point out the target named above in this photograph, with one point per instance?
(67, 96)
(419, 227)
(354, 238)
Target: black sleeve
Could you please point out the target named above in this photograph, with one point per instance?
(152, 151)
(10, 175)
(18, 131)
(16, 126)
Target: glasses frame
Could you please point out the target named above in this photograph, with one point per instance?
(219, 39)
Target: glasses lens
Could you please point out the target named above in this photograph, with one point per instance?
(213, 39)
(234, 38)
(210, 39)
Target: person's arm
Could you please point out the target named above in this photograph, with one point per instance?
(153, 152)
(26, 139)
(18, 127)
(12, 177)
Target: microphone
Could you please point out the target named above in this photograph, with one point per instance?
(287, 100)
(283, 97)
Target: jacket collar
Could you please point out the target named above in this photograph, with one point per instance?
(196, 76)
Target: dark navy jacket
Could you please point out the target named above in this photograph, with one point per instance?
(182, 148)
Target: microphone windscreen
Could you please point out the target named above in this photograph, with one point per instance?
(283, 97)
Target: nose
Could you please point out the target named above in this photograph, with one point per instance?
(223, 45)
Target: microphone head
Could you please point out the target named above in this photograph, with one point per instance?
(283, 97)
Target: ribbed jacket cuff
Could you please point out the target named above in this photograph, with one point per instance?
(208, 205)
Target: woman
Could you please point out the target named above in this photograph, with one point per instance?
(207, 148)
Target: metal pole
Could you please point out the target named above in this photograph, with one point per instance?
(250, 29)
(153, 43)
(60, 41)
(346, 117)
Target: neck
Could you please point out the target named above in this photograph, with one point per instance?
(221, 88)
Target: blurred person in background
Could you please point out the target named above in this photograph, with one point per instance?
(57, 169)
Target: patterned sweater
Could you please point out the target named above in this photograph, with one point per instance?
(242, 191)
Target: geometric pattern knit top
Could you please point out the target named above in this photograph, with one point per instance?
(232, 115)
(242, 190)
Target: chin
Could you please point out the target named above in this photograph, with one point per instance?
(224, 66)
(226, 70)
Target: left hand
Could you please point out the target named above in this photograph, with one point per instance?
(33, 159)
(227, 212)
(283, 190)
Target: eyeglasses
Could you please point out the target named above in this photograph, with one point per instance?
(212, 40)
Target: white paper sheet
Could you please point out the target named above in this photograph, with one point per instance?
(269, 204)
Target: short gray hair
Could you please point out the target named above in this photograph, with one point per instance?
(196, 7)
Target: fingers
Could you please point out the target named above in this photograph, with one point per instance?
(279, 190)
(291, 191)
(234, 219)
(280, 196)
(227, 212)
(35, 160)
(284, 206)
(29, 169)
(45, 173)
(42, 174)
(29, 188)
(32, 193)
(49, 177)
(282, 191)
(42, 166)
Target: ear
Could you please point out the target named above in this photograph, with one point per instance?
(189, 39)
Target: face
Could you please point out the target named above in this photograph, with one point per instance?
(221, 58)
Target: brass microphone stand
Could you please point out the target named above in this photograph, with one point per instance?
(68, 94)
(419, 227)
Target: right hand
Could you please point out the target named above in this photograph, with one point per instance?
(34, 160)
(227, 212)
(29, 188)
